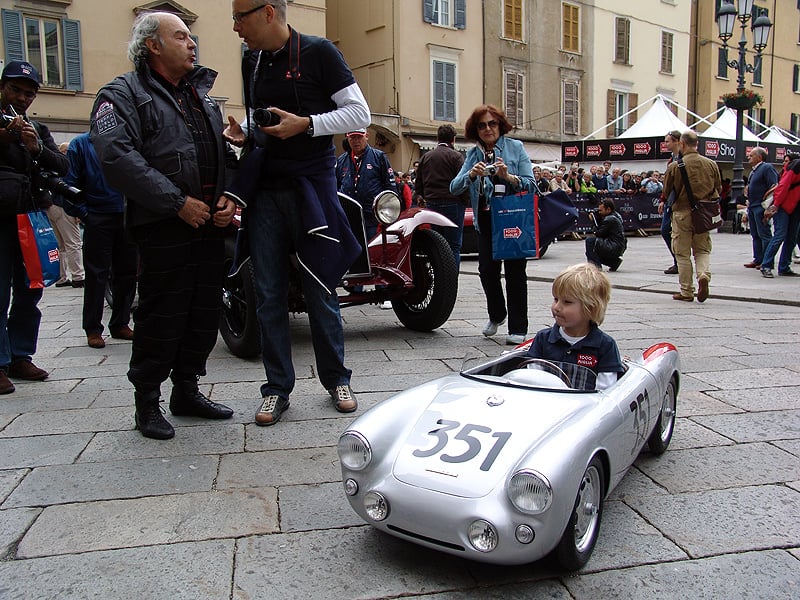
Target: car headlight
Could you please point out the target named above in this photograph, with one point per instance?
(376, 506)
(530, 492)
(482, 536)
(386, 207)
(354, 451)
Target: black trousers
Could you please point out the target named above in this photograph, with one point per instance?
(516, 281)
(106, 248)
(180, 296)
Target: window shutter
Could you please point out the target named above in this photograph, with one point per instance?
(427, 11)
(461, 14)
(722, 63)
(450, 92)
(571, 107)
(12, 34)
(611, 112)
(795, 77)
(633, 101)
(73, 72)
(196, 41)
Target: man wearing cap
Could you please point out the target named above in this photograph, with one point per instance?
(362, 174)
(22, 142)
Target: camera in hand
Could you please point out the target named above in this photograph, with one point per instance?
(47, 183)
(265, 118)
(490, 170)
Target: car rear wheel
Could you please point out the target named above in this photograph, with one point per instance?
(583, 528)
(662, 433)
(433, 267)
(238, 324)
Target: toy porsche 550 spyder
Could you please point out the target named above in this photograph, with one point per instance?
(509, 460)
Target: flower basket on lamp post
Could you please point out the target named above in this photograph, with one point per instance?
(744, 100)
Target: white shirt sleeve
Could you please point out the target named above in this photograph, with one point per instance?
(351, 112)
(605, 380)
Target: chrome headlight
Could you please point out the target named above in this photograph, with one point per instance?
(354, 451)
(482, 536)
(386, 207)
(376, 506)
(530, 492)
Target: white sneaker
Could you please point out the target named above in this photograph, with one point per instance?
(514, 339)
(386, 305)
(491, 327)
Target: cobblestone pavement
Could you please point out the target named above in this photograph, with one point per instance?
(90, 509)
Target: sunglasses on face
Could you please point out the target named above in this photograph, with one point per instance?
(486, 124)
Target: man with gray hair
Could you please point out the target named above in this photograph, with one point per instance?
(762, 177)
(158, 136)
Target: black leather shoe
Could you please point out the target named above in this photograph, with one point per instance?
(187, 401)
(149, 419)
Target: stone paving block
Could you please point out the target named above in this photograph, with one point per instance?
(319, 506)
(40, 450)
(279, 467)
(69, 421)
(9, 480)
(699, 403)
(296, 434)
(635, 483)
(46, 402)
(723, 521)
(795, 485)
(691, 384)
(688, 434)
(219, 438)
(755, 427)
(553, 590)
(719, 467)
(343, 563)
(35, 390)
(98, 384)
(5, 419)
(754, 400)
(188, 571)
(90, 526)
(749, 378)
(792, 446)
(84, 482)
(88, 371)
(13, 523)
(770, 575)
(112, 398)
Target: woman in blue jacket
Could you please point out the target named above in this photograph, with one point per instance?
(497, 165)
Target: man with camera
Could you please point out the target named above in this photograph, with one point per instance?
(26, 149)
(296, 194)
(158, 136)
(609, 242)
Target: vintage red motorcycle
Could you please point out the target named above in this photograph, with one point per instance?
(406, 263)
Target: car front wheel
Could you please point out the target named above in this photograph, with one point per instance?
(662, 433)
(583, 528)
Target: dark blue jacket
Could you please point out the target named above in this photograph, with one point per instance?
(374, 176)
(85, 174)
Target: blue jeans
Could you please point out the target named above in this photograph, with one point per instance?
(666, 230)
(19, 327)
(786, 227)
(759, 231)
(453, 235)
(273, 225)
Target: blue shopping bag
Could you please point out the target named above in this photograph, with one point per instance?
(39, 246)
(513, 227)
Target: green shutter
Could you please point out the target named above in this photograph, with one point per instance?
(12, 35)
(461, 14)
(73, 71)
(427, 11)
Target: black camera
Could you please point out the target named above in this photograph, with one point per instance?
(47, 183)
(490, 170)
(265, 118)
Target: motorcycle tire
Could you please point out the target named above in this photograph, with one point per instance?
(433, 267)
(238, 323)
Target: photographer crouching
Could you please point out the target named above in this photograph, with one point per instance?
(609, 242)
(26, 149)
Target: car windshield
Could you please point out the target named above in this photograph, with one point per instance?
(520, 370)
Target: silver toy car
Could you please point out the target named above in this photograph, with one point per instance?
(509, 460)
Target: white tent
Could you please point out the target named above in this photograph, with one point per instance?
(656, 122)
(774, 135)
(725, 128)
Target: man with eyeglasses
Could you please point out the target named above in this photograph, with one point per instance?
(306, 83)
(22, 142)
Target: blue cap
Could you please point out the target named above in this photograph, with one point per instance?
(19, 69)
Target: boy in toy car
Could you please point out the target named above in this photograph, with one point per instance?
(580, 297)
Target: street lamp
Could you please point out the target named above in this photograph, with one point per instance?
(726, 18)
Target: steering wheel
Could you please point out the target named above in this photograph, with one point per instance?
(550, 367)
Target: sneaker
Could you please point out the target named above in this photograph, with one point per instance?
(514, 339)
(767, 273)
(95, 340)
(491, 327)
(78, 283)
(343, 398)
(6, 387)
(673, 270)
(386, 305)
(272, 407)
(789, 273)
(25, 369)
(64, 283)
(702, 289)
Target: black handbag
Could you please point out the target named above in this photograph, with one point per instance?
(15, 190)
(705, 213)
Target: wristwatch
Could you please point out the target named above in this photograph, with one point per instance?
(310, 130)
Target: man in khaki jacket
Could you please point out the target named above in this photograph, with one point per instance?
(705, 180)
